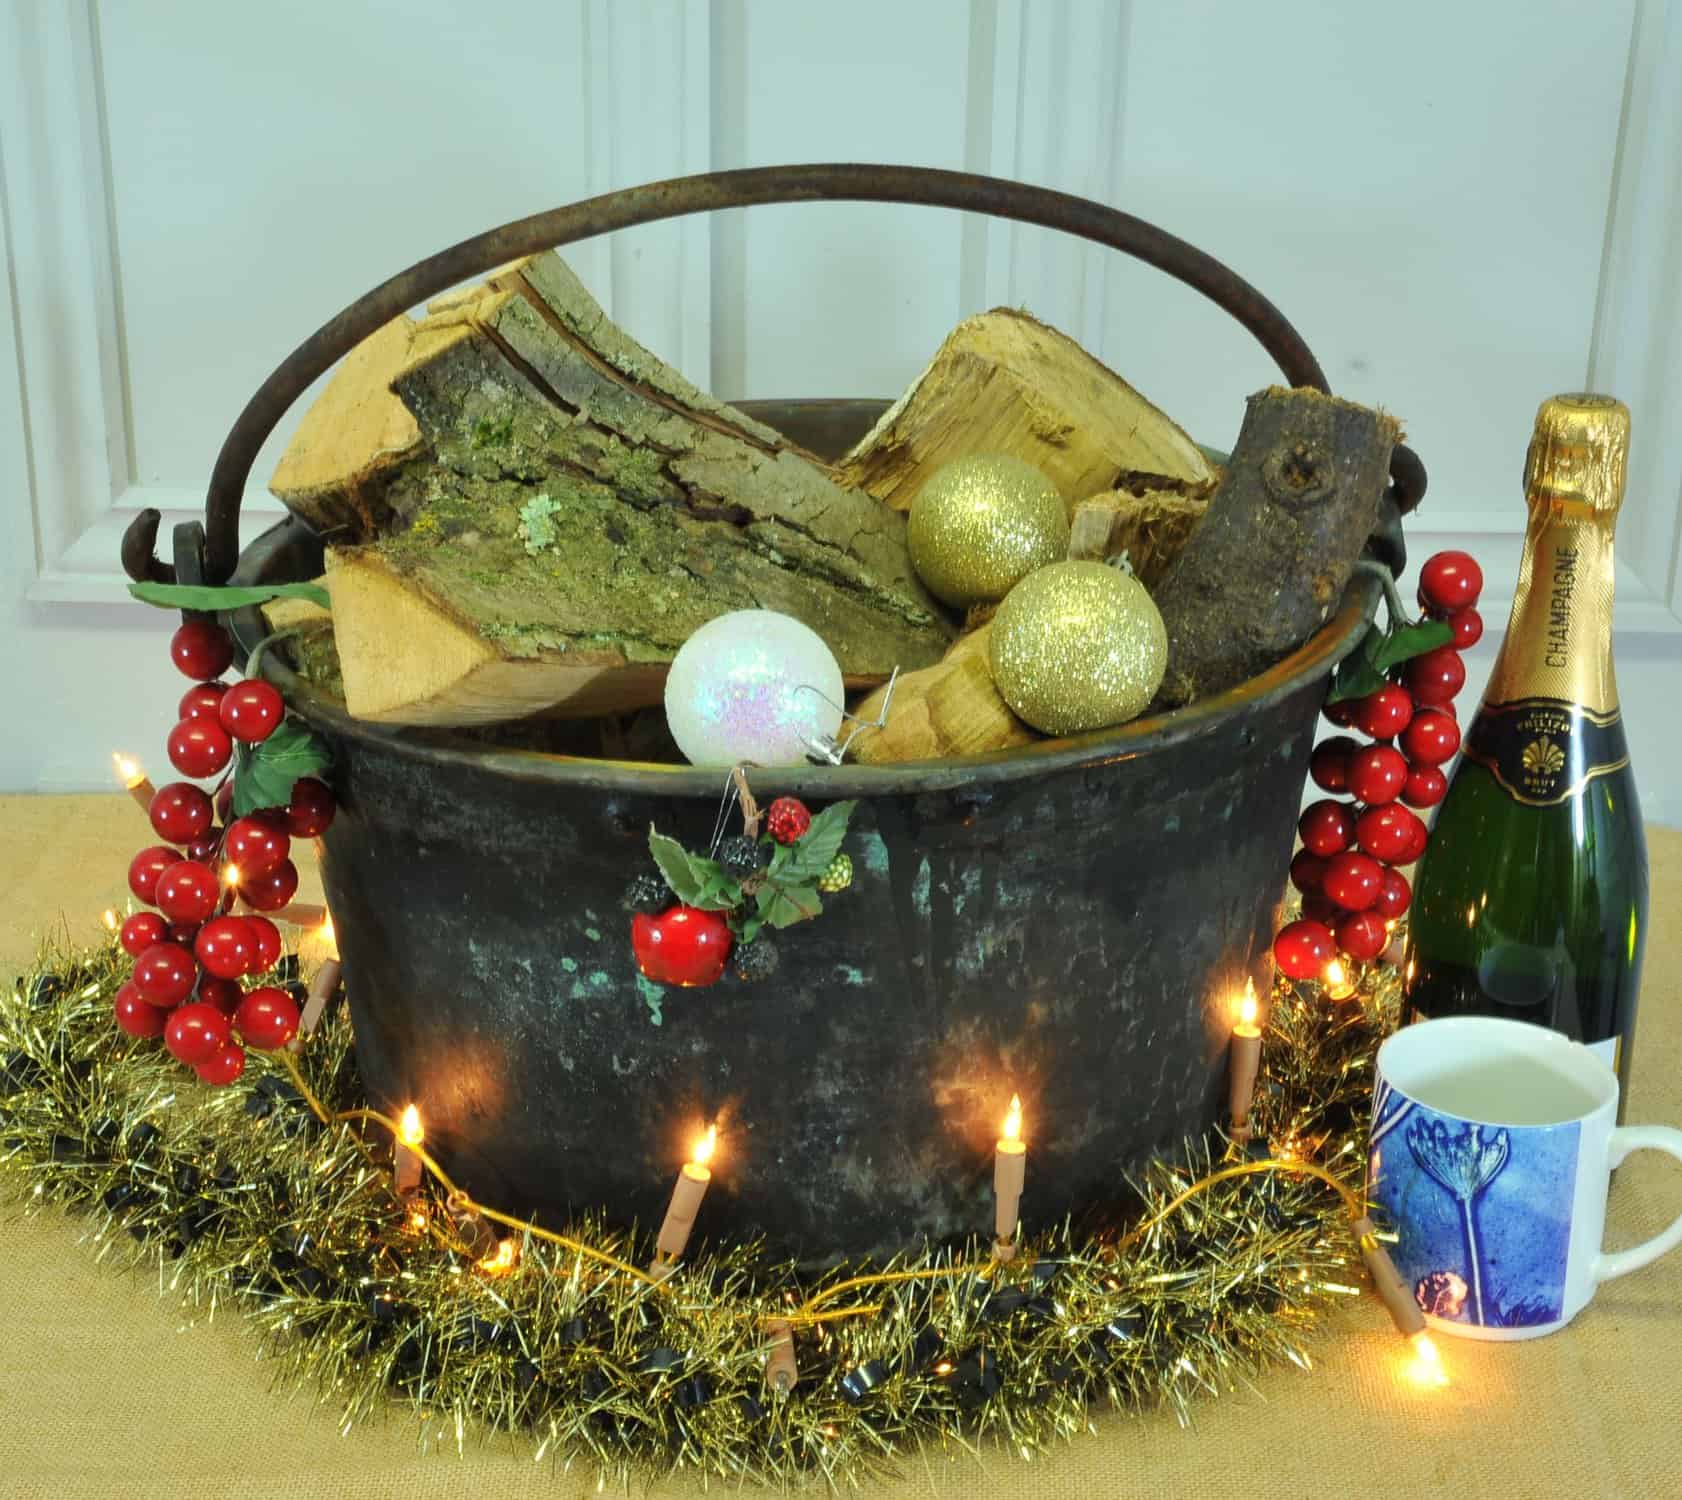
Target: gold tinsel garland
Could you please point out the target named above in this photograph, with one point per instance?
(240, 1195)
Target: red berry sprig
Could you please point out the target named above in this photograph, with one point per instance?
(191, 954)
(1349, 870)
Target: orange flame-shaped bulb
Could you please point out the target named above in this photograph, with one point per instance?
(705, 1146)
(128, 770)
(1012, 1129)
(1249, 1009)
(409, 1129)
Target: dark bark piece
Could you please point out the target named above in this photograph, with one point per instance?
(1269, 562)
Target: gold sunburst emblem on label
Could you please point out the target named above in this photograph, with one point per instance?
(1543, 758)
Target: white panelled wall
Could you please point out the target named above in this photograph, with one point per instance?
(1463, 210)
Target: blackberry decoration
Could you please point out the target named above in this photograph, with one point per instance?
(647, 893)
(741, 856)
(756, 960)
(787, 820)
(838, 876)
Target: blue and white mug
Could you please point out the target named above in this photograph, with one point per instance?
(1492, 1148)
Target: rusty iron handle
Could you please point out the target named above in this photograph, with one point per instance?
(707, 193)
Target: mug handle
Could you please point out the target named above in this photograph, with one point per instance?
(1622, 1142)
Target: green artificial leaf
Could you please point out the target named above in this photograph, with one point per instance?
(746, 928)
(784, 905)
(266, 772)
(228, 596)
(1363, 670)
(718, 891)
(1411, 641)
(677, 866)
(816, 849)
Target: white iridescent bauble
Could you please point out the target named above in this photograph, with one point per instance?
(742, 688)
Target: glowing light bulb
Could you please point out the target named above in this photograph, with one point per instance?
(1426, 1367)
(409, 1129)
(328, 938)
(705, 1146)
(230, 876)
(417, 1220)
(109, 918)
(1249, 1012)
(503, 1261)
(1012, 1129)
(1338, 984)
(128, 770)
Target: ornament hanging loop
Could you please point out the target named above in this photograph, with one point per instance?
(831, 751)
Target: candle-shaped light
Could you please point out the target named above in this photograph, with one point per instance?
(230, 887)
(324, 983)
(134, 781)
(406, 1163)
(1244, 1063)
(109, 918)
(1010, 1169)
(506, 1257)
(690, 1189)
(1395, 945)
(1339, 986)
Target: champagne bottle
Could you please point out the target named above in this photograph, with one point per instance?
(1531, 900)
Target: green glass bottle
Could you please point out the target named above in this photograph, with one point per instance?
(1531, 900)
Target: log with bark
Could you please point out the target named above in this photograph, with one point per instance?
(949, 709)
(1003, 382)
(531, 513)
(1267, 565)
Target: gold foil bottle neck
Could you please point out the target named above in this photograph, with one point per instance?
(1577, 454)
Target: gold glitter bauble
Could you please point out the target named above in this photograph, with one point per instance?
(1077, 646)
(981, 524)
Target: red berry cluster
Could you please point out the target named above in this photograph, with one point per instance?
(1347, 869)
(190, 954)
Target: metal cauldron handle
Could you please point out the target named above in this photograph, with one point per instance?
(705, 193)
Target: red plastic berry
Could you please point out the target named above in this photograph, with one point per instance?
(196, 1033)
(787, 819)
(311, 808)
(224, 1067)
(1417, 838)
(1377, 774)
(188, 891)
(1432, 738)
(267, 937)
(164, 974)
(269, 890)
(1303, 949)
(267, 1018)
(1436, 676)
(224, 994)
(1384, 714)
(201, 649)
(1387, 833)
(1329, 764)
(1327, 827)
(180, 812)
(201, 701)
(134, 1014)
(1426, 787)
(1468, 629)
(199, 747)
(146, 866)
(1353, 880)
(205, 850)
(250, 710)
(225, 800)
(140, 931)
(1307, 871)
(184, 933)
(1362, 935)
(226, 947)
(1342, 713)
(1317, 906)
(1450, 581)
(683, 946)
(255, 846)
(1395, 897)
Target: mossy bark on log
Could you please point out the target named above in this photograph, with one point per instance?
(1269, 562)
(1003, 382)
(578, 510)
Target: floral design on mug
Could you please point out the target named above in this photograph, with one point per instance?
(1463, 1163)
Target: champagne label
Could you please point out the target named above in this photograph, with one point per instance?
(1545, 751)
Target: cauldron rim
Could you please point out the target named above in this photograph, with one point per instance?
(1316, 657)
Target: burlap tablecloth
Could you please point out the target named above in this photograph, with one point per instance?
(106, 1390)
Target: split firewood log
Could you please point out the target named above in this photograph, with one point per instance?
(949, 709)
(1150, 528)
(1003, 382)
(530, 513)
(1269, 562)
